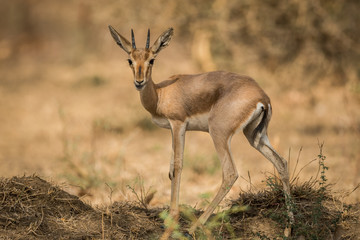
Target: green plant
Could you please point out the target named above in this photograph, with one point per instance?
(317, 212)
(221, 221)
(218, 226)
(171, 226)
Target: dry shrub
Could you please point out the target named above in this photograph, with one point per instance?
(315, 39)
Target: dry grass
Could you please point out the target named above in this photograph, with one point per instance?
(35, 209)
(32, 208)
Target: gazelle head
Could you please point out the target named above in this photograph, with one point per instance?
(141, 60)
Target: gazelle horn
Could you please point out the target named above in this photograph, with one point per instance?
(148, 39)
(133, 39)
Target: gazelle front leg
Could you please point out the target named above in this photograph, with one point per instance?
(178, 141)
(171, 170)
(178, 129)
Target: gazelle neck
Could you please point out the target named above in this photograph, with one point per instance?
(149, 97)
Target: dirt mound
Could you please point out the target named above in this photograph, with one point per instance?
(32, 208)
(318, 215)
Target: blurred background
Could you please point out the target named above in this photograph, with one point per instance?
(69, 111)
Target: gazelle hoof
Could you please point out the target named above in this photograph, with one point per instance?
(287, 232)
(188, 236)
(192, 229)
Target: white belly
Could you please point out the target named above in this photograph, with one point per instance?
(198, 122)
(161, 122)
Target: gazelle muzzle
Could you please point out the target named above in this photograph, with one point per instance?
(139, 84)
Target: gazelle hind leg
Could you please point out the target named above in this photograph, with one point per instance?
(281, 166)
(259, 140)
(229, 176)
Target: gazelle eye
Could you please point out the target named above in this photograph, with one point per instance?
(151, 62)
(130, 62)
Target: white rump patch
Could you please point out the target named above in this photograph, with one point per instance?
(258, 110)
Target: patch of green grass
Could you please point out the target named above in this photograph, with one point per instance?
(157, 147)
(146, 124)
(80, 165)
(105, 125)
(92, 81)
(202, 164)
(218, 225)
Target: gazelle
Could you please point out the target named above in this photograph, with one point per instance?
(220, 103)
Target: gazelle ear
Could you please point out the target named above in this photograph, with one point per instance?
(162, 41)
(120, 40)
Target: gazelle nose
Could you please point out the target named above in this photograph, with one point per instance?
(139, 82)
